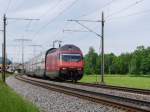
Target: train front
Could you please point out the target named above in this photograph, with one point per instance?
(71, 63)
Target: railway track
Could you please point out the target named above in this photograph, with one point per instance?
(118, 88)
(110, 87)
(127, 104)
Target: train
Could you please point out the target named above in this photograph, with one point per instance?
(8, 65)
(64, 63)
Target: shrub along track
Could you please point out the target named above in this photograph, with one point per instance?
(127, 104)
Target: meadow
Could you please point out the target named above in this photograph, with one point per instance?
(12, 102)
(133, 81)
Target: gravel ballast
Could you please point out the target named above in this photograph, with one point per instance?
(51, 101)
(101, 90)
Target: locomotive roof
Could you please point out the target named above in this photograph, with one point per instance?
(63, 48)
(69, 47)
(51, 50)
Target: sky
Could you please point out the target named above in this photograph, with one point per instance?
(126, 25)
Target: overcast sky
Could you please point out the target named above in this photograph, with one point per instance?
(127, 24)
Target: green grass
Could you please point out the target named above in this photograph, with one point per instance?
(12, 102)
(142, 82)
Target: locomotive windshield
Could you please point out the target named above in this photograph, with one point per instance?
(71, 57)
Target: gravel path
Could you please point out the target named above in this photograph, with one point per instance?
(50, 101)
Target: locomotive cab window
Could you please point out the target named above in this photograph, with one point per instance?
(71, 57)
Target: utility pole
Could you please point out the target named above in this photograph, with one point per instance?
(4, 49)
(22, 40)
(102, 51)
(3, 75)
(98, 35)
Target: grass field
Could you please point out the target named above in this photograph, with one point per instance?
(120, 80)
(12, 102)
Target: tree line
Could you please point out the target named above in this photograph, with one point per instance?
(137, 62)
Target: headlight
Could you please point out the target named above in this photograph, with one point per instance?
(64, 68)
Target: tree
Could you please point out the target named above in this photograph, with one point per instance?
(91, 61)
(137, 62)
(145, 66)
(108, 62)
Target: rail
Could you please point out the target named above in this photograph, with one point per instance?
(115, 101)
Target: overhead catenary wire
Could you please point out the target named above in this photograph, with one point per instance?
(87, 20)
(107, 4)
(74, 30)
(24, 19)
(87, 29)
(47, 44)
(30, 20)
(44, 14)
(90, 30)
(125, 8)
(56, 35)
(110, 18)
(58, 15)
(45, 25)
(47, 11)
(27, 19)
(129, 15)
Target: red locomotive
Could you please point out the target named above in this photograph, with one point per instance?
(64, 63)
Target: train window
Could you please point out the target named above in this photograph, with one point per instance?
(71, 57)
